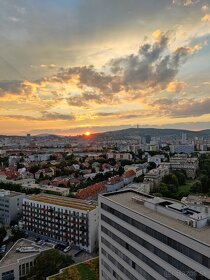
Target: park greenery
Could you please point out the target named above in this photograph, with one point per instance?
(176, 184)
(48, 263)
(86, 270)
(18, 188)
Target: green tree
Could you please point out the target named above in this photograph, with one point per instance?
(3, 233)
(171, 179)
(163, 190)
(205, 181)
(34, 169)
(48, 263)
(181, 177)
(139, 179)
(17, 234)
(196, 187)
(121, 170)
(126, 162)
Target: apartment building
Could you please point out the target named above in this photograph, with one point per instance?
(10, 205)
(182, 162)
(120, 156)
(62, 219)
(146, 237)
(154, 176)
(178, 149)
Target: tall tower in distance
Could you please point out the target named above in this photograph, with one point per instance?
(184, 138)
(28, 137)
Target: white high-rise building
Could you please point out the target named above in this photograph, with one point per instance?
(146, 237)
(184, 138)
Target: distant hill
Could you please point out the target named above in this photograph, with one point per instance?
(136, 132)
(129, 133)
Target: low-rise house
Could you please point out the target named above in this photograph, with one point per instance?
(119, 156)
(74, 181)
(106, 167)
(91, 191)
(3, 176)
(139, 169)
(96, 166)
(12, 174)
(114, 183)
(60, 181)
(157, 159)
(39, 174)
(55, 190)
(155, 176)
(128, 177)
(39, 157)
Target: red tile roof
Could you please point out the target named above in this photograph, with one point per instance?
(91, 191)
(129, 173)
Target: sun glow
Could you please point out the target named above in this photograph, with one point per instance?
(87, 133)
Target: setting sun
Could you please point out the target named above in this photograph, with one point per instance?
(87, 133)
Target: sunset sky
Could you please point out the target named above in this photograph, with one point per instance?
(68, 66)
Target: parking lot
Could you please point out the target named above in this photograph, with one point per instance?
(75, 252)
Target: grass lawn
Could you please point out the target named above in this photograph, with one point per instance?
(88, 270)
(86, 273)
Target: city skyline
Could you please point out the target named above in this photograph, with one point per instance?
(73, 66)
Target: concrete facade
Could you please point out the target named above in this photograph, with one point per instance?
(15, 265)
(62, 220)
(10, 206)
(143, 237)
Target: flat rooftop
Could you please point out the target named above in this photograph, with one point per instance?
(64, 201)
(6, 193)
(12, 256)
(126, 199)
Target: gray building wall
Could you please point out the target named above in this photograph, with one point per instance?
(129, 252)
(10, 207)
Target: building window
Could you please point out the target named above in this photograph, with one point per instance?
(196, 256)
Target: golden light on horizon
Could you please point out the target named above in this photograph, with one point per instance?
(87, 133)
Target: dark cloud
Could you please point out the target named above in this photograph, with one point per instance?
(123, 115)
(150, 70)
(46, 116)
(57, 116)
(13, 87)
(87, 97)
(105, 114)
(180, 108)
(152, 67)
(90, 77)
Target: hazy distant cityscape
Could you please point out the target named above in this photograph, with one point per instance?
(77, 198)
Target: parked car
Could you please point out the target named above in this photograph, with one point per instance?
(67, 249)
(60, 246)
(3, 249)
(41, 242)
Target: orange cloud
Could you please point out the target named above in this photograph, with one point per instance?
(176, 86)
(206, 18)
